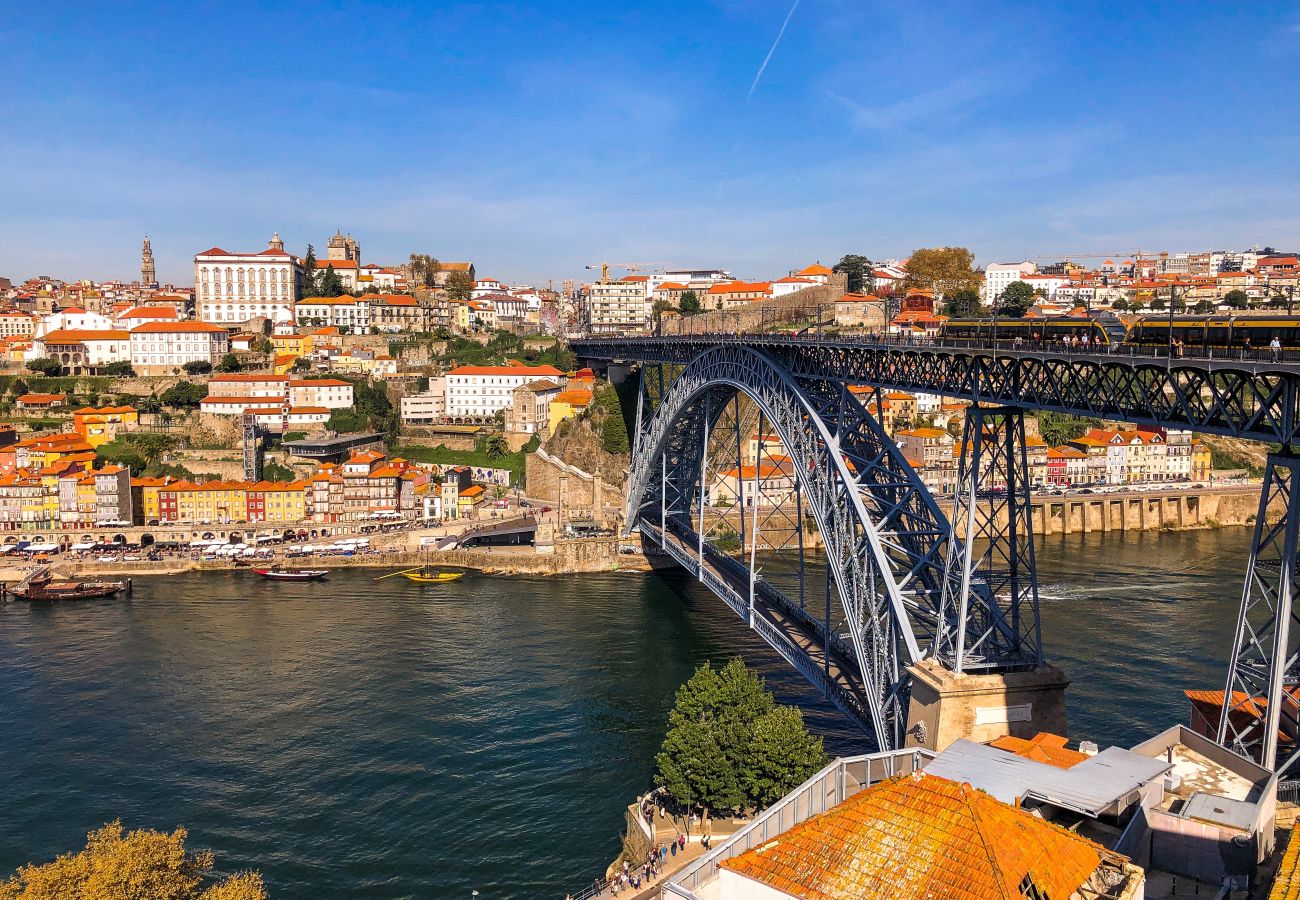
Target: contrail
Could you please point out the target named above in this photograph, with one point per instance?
(768, 58)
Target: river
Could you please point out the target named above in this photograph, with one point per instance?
(362, 738)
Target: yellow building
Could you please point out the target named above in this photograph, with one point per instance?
(566, 405)
(103, 424)
(146, 497)
(294, 344)
(1201, 461)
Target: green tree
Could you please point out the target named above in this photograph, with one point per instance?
(1159, 303)
(1237, 299)
(728, 748)
(229, 363)
(1015, 300)
(613, 427)
(136, 865)
(301, 364)
(183, 394)
(310, 274)
(943, 270)
(856, 269)
(197, 367)
(119, 369)
(347, 420)
(782, 755)
(1120, 304)
(1203, 306)
(460, 285)
(496, 447)
(45, 366)
(331, 284)
(689, 303)
(273, 471)
(964, 303)
(1057, 428)
(658, 308)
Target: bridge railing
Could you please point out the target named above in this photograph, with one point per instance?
(1031, 347)
(834, 784)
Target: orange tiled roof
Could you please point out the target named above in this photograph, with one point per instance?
(1043, 747)
(814, 269)
(505, 370)
(921, 836)
(81, 335)
(177, 328)
(573, 398)
(31, 399)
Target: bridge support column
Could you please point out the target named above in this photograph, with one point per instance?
(990, 604)
(987, 677)
(1260, 716)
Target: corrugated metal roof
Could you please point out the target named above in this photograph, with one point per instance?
(1090, 787)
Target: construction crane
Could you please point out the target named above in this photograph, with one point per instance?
(631, 267)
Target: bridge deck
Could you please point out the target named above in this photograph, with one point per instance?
(799, 637)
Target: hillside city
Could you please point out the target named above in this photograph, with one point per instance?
(347, 391)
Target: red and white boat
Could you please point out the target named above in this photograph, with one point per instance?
(292, 574)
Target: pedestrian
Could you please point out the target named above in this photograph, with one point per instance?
(1245, 347)
(1275, 348)
(681, 839)
(674, 848)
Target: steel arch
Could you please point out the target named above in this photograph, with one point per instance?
(884, 536)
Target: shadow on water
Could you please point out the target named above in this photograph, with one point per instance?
(355, 737)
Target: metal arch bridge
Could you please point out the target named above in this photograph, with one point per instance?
(908, 590)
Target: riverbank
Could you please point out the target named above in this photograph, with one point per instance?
(569, 557)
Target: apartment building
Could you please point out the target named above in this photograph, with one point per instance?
(236, 287)
(481, 391)
(163, 348)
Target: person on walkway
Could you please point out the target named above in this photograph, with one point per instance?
(674, 848)
(681, 839)
(1275, 348)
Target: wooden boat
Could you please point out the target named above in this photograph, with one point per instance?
(50, 591)
(425, 575)
(277, 574)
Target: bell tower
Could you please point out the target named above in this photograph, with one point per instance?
(148, 274)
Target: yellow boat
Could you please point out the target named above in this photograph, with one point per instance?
(421, 576)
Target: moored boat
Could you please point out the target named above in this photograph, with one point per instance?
(277, 574)
(49, 591)
(431, 576)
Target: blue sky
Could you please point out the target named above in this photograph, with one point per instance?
(536, 138)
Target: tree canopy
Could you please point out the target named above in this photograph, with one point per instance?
(184, 393)
(855, 268)
(1016, 299)
(309, 288)
(613, 428)
(229, 363)
(136, 865)
(689, 303)
(331, 283)
(1237, 299)
(119, 369)
(460, 285)
(943, 270)
(197, 367)
(964, 302)
(45, 366)
(729, 746)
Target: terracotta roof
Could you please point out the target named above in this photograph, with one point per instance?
(177, 328)
(921, 836)
(150, 312)
(1043, 748)
(814, 269)
(573, 398)
(34, 399)
(319, 382)
(741, 287)
(670, 286)
(213, 251)
(271, 251)
(336, 264)
(81, 335)
(244, 377)
(472, 491)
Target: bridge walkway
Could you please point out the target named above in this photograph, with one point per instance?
(799, 637)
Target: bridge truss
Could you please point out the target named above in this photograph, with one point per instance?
(888, 547)
(907, 588)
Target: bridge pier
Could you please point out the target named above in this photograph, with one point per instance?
(1260, 716)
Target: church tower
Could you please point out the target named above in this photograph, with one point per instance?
(148, 274)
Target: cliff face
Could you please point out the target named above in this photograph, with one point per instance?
(577, 443)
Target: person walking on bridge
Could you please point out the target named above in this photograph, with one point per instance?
(1275, 348)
